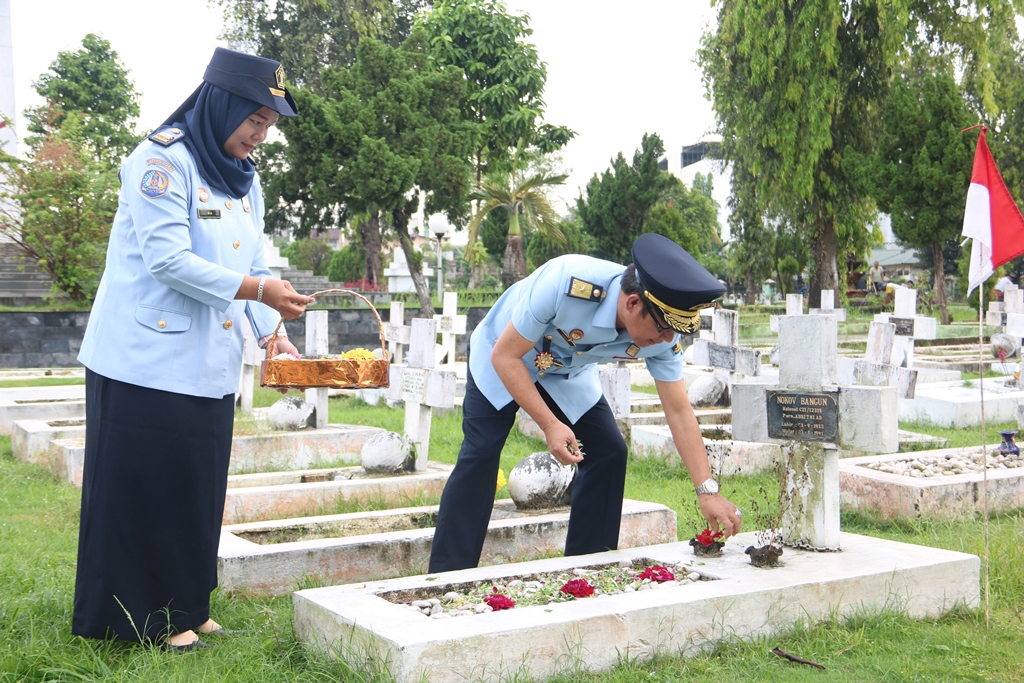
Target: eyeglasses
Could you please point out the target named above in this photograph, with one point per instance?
(650, 312)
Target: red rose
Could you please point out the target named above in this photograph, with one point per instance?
(707, 538)
(496, 601)
(658, 574)
(578, 588)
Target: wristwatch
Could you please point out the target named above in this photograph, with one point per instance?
(709, 487)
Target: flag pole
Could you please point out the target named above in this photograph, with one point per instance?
(984, 440)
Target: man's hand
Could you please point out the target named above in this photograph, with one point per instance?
(562, 444)
(720, 514)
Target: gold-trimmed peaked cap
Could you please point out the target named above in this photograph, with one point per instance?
(256, 78)
(673, 282)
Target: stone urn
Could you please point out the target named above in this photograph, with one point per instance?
(706, 544)
(1008, 445)
(764, 556)
(540, 481)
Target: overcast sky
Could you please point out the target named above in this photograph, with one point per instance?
(613, 73)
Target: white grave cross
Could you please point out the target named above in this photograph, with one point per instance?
(615, 385)
(828, 306)
(421, 387)
(396, 332)
(909, 325)
(316, 345)
(794, 306)
(250, 359)
(450, 324)
(724, 351)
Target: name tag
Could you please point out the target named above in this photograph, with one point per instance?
(208, 213)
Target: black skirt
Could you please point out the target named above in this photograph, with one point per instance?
(153, 487)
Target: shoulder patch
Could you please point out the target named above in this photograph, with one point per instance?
(162, 163)
(167, 137)
(588, 291)
(154, 184)
(678, 348)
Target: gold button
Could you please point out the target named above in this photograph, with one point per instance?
(162, 324)
(230, 204)
(579, 353)
(540, 374)
(237, 244)
(550, 337)
(176, 131)
(228, 324)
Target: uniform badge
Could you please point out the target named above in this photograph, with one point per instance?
(229, 204)
(204, 194)
(245, 204)
(678, 348)
(208, 213)
(632, 350)
(576, 334)
(154, 184)
(581, 289)
(544, 360)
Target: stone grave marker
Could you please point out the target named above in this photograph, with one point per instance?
(999, 311)
(875, 369)
(450, 324)
(724, 352)
(909, 325)
(615, 383)
(794, 306)
(828, 305)
(707, 323)
(316, 345)
(421, 387)
(398, 274)
(396, 332)
(251, 353)
(812, 416)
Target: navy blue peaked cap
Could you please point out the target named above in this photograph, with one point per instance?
(255, 78)
(673, 281)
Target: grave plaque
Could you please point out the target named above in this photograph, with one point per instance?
(706, 322)
(803, 416)
(722, 356)
(414, 381)
(904, 326)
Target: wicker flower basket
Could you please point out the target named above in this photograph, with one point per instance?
(348, 373)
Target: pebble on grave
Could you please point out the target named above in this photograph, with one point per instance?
(388, 453)
(539, 481)
(290, 413)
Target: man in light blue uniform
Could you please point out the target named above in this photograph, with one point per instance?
(538, 348)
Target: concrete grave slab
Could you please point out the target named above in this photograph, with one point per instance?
(952, 404)
(900, 496)
(252, 498)
(30, 439)
(270, 558)
(357, 621)
(12, 410)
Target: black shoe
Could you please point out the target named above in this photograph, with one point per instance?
(196, 644)
(227, 632)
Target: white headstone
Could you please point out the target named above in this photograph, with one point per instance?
(794, 306)
(396, 332)
(615, 384)
(316, 345)
(450, 324)
(251, 353)
(909, 325)
(421, 387)
(828, 305)
(398, 274)
(724, 352)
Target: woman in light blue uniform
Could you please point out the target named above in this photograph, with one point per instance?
(185, 269)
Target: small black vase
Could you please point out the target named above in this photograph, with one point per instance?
(1008, 445)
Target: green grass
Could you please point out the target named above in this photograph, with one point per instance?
(40, 382)
(38, 536)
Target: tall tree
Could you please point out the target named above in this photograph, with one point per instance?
(308, 35)
(519, 196)
(92, 85)
(383, 132)
(798, 85)
(923, 162)
(504, 74)
(57, 206)
(619, 201)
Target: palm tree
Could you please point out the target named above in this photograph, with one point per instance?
(518, 197)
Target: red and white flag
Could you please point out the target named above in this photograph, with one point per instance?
(991, 218)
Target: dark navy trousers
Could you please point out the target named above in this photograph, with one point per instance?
(468, 496)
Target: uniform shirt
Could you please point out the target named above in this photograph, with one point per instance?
(165, 315)
(556, 306)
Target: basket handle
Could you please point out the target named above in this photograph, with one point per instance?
(380, 325)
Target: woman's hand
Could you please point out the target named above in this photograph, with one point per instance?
(282, 297)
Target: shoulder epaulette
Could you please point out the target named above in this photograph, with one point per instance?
(167, 136)
(588, 291)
